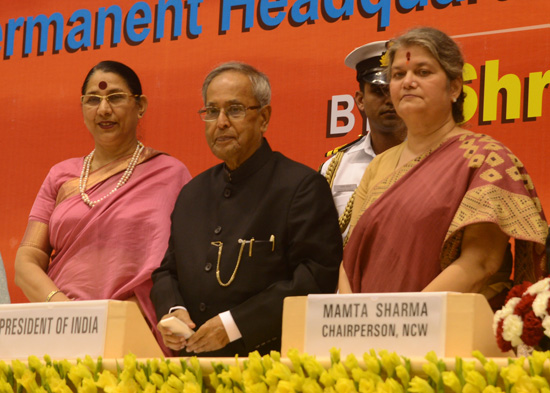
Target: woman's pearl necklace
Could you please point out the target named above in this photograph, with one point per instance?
(86, 171)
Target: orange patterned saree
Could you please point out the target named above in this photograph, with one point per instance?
(409, 221)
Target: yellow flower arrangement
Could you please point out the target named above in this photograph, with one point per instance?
(381, 372)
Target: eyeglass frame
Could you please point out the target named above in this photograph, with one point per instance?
(106, 98)
(202, 111)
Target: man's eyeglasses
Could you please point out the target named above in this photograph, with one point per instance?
(235, 111)
(114, 99)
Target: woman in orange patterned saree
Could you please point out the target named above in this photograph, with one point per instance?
(436, 213)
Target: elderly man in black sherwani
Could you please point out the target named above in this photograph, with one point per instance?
(245, 233)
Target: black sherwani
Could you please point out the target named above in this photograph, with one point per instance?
(267, 195)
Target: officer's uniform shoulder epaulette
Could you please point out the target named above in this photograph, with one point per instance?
(332, 152)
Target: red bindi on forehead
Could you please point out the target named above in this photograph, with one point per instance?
(408, 57)
(102, 85)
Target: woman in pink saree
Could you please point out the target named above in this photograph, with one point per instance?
(436, 213)
(100, 224)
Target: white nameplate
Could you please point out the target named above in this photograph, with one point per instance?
(59, 329)
(410, 324)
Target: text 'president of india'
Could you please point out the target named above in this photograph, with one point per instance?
(245, 233)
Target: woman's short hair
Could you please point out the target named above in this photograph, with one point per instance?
(443, 48)
(122, 70)
(261, 89)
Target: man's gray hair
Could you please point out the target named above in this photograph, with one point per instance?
(260, 82)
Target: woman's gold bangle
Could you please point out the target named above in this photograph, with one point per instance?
(52, 294)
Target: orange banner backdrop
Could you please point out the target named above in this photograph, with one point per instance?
(47, 48)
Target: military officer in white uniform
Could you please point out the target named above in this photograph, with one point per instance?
(385, 129)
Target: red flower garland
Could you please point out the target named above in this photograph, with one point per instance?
(518, 290)
(517, 322)
(504, 345)
(532, 329)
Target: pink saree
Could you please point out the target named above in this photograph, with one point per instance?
(413, 217)
(109, 251)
